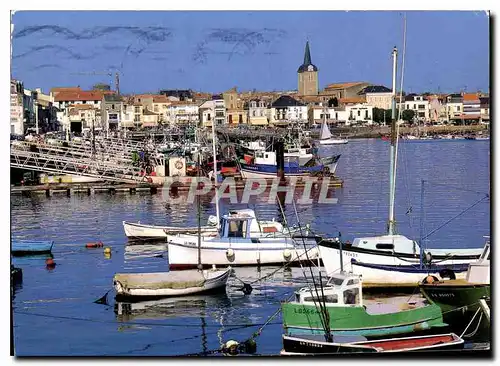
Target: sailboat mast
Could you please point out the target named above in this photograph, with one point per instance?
(392, 181)
(200, 266)
(214, 137)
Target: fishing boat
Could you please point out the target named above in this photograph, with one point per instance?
(264, 164)
(463, 294)
(30, 247)
(314, 346)
(242, 240)
(337, 309)
(147, 232)
(391, 249)
(326, 137)
(165, 284)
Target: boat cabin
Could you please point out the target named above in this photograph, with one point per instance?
(479, 271)
(388, 243)
(244, 225)
(342, 289)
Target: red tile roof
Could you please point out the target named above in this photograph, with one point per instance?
(471, 97)
(78, 96)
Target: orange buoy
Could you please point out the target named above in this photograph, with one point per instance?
(49, 262)
(98, 244)
(429, 279)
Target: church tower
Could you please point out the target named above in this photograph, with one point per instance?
(308, 75)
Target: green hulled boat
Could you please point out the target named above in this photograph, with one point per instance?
(346, 315)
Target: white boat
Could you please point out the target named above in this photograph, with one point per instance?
(147, 232)
(390, 249)
(326, 137)
(242, 241)
(164, 284)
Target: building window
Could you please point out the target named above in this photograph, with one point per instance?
(95, 101)
(421, 106)
(359, 113)
(112, 106)
(366, 114)
(254, 113)
(84, 102)
(209, 117)
(240, 120)
(137, 109)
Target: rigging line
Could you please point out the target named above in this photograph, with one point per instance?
(457, 188)
(235, 326)
(453, 218)
(303, 272)
(323, 310)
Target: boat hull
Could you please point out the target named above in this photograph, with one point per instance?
(30, 247)
(450, 297)
(132, 286)
(330, 253)
(356, 321)
(148, 232)
(435, 342)
(183, 252)
(333, 142)
(403, 275)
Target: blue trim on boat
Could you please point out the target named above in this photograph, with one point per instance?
(461, 267)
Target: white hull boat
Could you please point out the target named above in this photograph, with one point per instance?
(242, 242)
(399, 251)
(165, 284)
(183, 252)
(144, 232)
(333, 141)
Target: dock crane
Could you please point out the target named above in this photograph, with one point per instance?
(108, 73)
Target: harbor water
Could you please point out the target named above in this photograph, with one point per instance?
(54, 313)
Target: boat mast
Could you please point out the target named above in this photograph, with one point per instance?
(214, 137)
(392, 181)
(200, 266)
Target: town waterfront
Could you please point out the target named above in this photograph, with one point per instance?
(54, 313)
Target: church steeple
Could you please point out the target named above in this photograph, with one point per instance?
(307, 75)
(306, 66)
(307, 55)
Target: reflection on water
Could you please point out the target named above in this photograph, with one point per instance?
(55, 313)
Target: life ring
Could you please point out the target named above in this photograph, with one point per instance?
(230, 255)
(287, 254)
(447, 273)
(178, 164)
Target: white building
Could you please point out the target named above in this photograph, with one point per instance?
(359, 113)
(16, 108)
(206, 113)
(286, 109)
(257, 112)
(420, 105)
(378, 96)
(182, 113)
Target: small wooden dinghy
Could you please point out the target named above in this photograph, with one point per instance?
(309, 347)
(165, 284)
(27, 247)
(140, 231)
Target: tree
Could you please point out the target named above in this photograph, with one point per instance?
(101, 86)
(408, 115)
(378, 115)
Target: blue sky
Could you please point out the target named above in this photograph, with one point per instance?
(214, 51)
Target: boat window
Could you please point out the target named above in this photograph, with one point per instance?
(486, 250)
(352, 282)
(332, 299)
(237, 229)
(384, 246)
(351, 297)
(336, 281)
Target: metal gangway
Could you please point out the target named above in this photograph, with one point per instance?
(108, 160)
